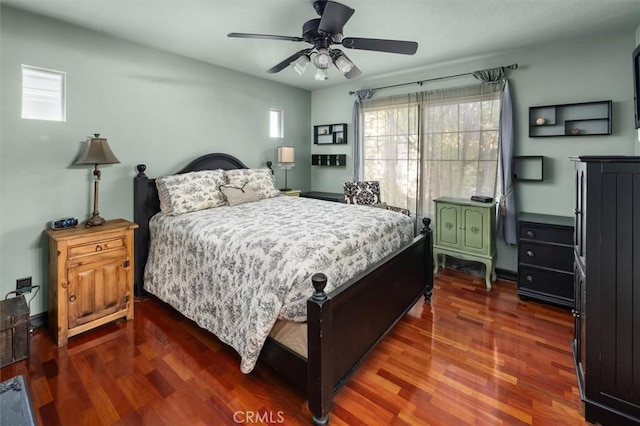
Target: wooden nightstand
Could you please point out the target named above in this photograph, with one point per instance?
(291, 192)
(90, 277)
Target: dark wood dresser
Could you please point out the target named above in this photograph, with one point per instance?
(606, 343)
(545, 258)
(326, 196)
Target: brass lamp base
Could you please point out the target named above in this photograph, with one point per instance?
(95, 220)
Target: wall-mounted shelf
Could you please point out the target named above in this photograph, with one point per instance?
(339, 160)
(582, 119)
(528, 168)
(326, 134)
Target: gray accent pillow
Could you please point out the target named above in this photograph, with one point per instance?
(260, 181)
(239, 195)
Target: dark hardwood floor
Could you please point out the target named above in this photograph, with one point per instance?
(469, 358)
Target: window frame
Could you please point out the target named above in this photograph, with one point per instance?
(61, 94)
(420, 107)
(277, 131)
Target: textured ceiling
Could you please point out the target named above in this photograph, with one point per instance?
(444, 29)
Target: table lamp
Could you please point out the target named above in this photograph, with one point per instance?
(286, 161)
(96, 152)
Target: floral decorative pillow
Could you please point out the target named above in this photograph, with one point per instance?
(239, 195)
(190, 192)
(261, 181)
(365, 192)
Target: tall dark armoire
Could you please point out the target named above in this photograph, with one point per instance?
(606, 346)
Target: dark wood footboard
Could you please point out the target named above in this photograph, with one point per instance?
(345, 325)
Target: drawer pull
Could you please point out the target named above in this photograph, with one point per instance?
(531, 234)
(72, 298)
(98, 248)
(530, 278)
(530, 253)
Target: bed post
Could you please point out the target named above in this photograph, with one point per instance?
(428, 273)
(141, 240)
(320, 351)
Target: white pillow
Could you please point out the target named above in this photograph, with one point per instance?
(190, 192)
(260, 181)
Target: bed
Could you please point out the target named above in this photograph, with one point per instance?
(336, 339)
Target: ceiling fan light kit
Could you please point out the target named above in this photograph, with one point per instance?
(322, 59)
(300, 64)
(326, 31)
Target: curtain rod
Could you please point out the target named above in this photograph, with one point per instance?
(420, 82)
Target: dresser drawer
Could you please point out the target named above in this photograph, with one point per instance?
(546, 255)
(546, 234)
(96, 247)
(542, 281)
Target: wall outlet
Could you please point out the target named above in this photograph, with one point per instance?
(23, 285)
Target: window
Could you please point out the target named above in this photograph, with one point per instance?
(460, 146)
(390, 149)
(275, 124)
(43, 96)
(432, 144)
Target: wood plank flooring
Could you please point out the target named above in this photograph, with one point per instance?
(469, 358)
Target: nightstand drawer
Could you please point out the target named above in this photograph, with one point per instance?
(96, 247)
(546, 234)
(546, 255)
(559, 284)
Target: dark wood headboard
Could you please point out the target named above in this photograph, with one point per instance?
(146, 203)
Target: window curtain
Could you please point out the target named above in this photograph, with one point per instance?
(357, 146)
(507, 220)
(459, 135)
(390, 147)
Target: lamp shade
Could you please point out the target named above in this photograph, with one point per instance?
(286, 155)
(97, 151)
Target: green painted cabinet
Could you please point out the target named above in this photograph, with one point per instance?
(465, 229)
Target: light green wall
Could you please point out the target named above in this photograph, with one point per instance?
(153, 107)
(574, 71)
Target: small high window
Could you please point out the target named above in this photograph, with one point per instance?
(275, 124)
(43, 94)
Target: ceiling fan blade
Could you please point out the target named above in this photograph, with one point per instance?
(379, 45)
(334, 17)
(265, 36)
(282, 65)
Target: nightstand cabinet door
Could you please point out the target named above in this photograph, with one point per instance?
(448, 225)
(475, 234)
(97, 289)
(90, 277)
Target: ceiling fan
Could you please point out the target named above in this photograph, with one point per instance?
(324, 32)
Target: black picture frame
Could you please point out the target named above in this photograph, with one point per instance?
(636, 85)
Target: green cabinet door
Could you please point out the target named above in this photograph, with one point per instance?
(448, 225)
(474, 235)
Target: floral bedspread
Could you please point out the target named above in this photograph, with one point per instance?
(236, 270)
